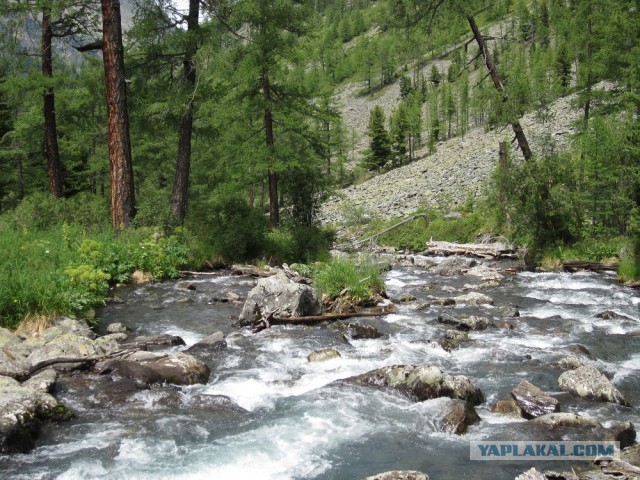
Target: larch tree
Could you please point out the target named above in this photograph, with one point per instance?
(272, 29)
(181, 180)
(123, 207)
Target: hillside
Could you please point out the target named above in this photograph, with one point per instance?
(458, 170)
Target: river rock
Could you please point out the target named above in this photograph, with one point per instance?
(485, 273)
(399, 475)
(507, 407)
(459, 416)
(508, 311)
(356, 330)
(533, 401)
(570, 362)
(70, 345)
(421, 382)
(213, 339)
(453, 266)
(279, 293)
(13, 354)
(624, 432)
(465, 323)
(323, 355)
(452, 339)
(589, 382)
(631, 454)
(22, 411)
(118, 392)
(118, 327)
(177, 368)
(473, 298)
(611, 315)
(564, 419)
(533, 474)
(61, 326)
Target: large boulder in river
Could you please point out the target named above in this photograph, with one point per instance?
(23, 408)
(399, 475)
(421, 382)
(533, 401)
(279, 294)
(149, 368)
(453, 266)
(588, 382)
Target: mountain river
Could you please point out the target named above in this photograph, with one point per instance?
(268, 413)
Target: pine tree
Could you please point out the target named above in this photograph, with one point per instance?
(379, 151)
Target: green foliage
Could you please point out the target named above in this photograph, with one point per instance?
(236, 230)
(379, 151)
(357, 279)
(297, 244)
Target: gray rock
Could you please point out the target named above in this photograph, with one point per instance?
(177, 368)
(13, 354)
(459, 416)
(589, 382)
(357, 331)
(279, 293)
(70, 345)
(452, 266)
(465, 323)
(421, 382)
(452, 216)
(452, 339)
(485, 273)
(22, 411)
(399, 475)
(118, 327)
(533, 401)
(473, 298)
(42, 382)
(323, 355)
(508, 311)
(570, 362)
(213, 338)
(564, 419)
(611, 315)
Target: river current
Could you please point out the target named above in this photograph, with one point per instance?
(267, 413)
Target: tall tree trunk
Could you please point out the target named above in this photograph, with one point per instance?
(274, 209)
(587, 103)
(121, 166)
(179, 197)
(54, 167)
(515, 125)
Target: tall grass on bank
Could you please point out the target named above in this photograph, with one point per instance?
(65, 271)
(359, 280)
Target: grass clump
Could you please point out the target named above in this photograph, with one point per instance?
(357, 280)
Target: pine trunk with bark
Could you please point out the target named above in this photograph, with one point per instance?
(497, 82)
(120, 160)
(179, 196)
(54, 166)
(274, 209)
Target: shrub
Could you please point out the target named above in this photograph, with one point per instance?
(236, 230)
(358, 280)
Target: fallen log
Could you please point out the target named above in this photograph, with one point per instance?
(329, 316)
(483, 250)
(575, 265)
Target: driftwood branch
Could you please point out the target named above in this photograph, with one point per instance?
(483, 250)
(329, 316)
(574, 265)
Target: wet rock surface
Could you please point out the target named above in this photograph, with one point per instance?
(589, 382)
(533, 401)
